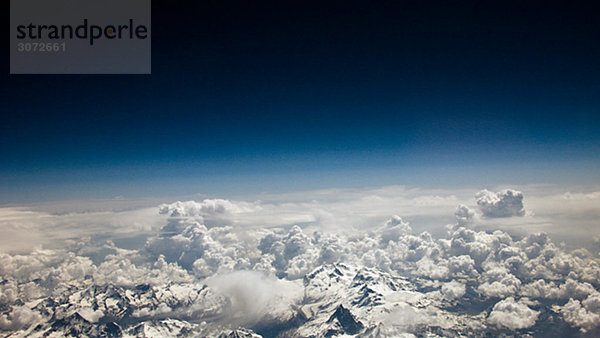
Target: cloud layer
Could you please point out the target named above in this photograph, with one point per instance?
(225, 264)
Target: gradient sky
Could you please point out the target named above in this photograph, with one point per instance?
(273, 96)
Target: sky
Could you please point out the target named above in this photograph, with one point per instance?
(274, 97)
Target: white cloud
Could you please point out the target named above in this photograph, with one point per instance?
(23, 230)
(453, 289)
(505, 203)
(498, 282)
(254, 295)
(394, 228)
(212, 212)
(19, 318)
(579, 316)
(513, 314)
(464, 215)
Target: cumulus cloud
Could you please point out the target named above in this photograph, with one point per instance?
(19, 318)
(505, 203)
(513, 314)
(453, 289)
(205, 208)
(463, 215)
(394, 228)
(498, 282)
(579, 316)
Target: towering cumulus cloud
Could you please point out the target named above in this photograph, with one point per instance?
(215, 269)
(505, 203)
(463, 215)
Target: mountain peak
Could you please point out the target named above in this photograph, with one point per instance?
(343, 319)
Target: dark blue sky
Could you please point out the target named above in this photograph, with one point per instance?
(250, 96)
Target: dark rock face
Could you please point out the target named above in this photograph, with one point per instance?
(112, 330)
(238, 333)
(346, 320)
(77, 326)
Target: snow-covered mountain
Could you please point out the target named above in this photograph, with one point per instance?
(338, 300)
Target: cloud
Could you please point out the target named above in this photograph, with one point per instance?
(505, 203)
(19, 318)
(295, 253)
(348, 210)
(579, 316)
(295, 260)
(464, 215)
(255, 295)
(513, 314)
(394, 228)
(405, 316)
(499, 282)
(453, 289)
(211, 212)
(23, 230)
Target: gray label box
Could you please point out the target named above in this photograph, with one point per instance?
(80, 37)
